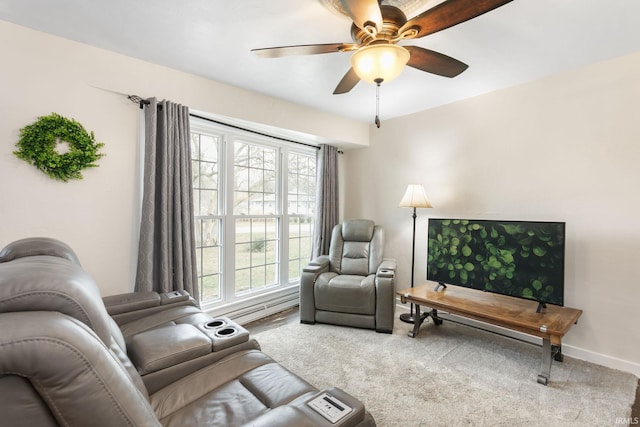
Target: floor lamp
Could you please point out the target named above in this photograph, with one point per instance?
(414, 198)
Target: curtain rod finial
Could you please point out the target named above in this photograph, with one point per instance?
(138, 100)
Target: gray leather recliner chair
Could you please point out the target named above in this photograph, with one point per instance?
(353, 285)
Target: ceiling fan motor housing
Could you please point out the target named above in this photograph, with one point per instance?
(392, 20)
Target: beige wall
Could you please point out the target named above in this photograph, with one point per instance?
(565, 148)
(97, 216)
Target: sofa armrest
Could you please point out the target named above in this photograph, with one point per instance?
(160, 348)
(174, 297)
(317, 265)
(387, 268)
(307, 282)
(131, 306)
(131, 301)
(385, 295)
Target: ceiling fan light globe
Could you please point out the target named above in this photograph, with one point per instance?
(379, 62)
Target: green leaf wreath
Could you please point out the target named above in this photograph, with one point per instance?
(39, 140)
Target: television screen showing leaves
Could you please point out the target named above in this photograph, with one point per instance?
(516, 258)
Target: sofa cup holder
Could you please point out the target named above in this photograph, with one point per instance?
(215, 324)
(226, 332)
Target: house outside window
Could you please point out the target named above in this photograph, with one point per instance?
(254, 204)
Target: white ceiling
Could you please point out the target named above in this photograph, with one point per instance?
(521, 41)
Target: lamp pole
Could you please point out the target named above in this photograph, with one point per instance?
(409, 317)
(414, 198)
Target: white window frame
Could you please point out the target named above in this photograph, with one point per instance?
(248, 306)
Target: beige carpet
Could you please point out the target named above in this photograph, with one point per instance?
(451, 375)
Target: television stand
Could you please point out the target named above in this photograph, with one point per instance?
(541, 306)
(440, 285)
(550, 323)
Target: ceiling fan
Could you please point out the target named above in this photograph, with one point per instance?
(376, 30)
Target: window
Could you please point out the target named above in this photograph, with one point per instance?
(254, 200)
(300, 207)
(205, 149)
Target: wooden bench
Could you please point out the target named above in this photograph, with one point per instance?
(518, 314)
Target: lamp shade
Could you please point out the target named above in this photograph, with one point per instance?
(379, 62)
(414, 197)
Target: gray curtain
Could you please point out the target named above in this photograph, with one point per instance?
(327, 208)
(166, 253)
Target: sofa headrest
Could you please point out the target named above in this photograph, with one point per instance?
(357, 230)
(33, 246)
(51, 283)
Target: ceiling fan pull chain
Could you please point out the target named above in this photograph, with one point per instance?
(377, 120)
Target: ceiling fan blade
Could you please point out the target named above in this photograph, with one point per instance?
(304, 49)
(364, 12)
(449, 13)
(434, 62)
(347, 83)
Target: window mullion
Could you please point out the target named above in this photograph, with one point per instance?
(284, 218)
(229, 241)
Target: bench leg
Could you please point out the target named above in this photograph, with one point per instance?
(434, 315)
(556, 351)
(417, 321)
(545, 371)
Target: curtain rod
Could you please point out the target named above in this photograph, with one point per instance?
(143, 102)
(252, 131)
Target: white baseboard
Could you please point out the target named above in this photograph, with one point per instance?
(601, 359)
(567, 350)
(263, 306)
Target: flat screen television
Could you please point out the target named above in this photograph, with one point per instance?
(517, 258)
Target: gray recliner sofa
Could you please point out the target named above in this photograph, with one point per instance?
(65, 361)
(353, 285)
